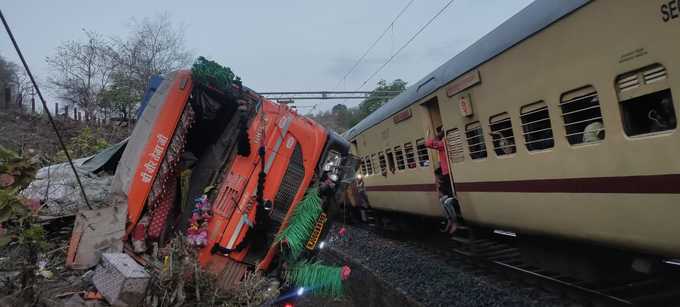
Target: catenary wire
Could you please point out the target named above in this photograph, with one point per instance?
(405, 44)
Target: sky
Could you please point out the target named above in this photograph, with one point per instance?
(294, 45)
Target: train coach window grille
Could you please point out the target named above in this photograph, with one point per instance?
(423, 155)
(646, 101)
(383, 162)
(410, 155)
(374, 162)
(390, 160)
(399, 158)
(369, 165)
(475, 139)
(536, 126)
(363, 167)
(454, 145)
(502, 137)
(582, 116)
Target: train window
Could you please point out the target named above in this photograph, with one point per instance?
(646, 101)
(454, 145)
(383, 162)
(390, 159)
(475, 140)
(410, 155)
(399, 157)
(582, 116)
(375, 164)
(536, 126)
(369, 166)
(363, 167)
(502, 137)
(423, 155)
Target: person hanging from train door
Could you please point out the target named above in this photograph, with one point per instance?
(447, 199)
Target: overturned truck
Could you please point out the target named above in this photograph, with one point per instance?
(248, 181)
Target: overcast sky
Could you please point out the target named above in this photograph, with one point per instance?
(295, 45)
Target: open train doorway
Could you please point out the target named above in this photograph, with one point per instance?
(436, 140)
(435, 117)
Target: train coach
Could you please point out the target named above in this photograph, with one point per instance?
(559, 123)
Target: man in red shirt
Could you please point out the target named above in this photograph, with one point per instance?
(442, 171)
(447, 199)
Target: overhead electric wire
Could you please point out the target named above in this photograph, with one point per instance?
(45, 108)
(405, 44)
(390, 26)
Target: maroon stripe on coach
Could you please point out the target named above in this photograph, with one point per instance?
(431, 187)
(653, 184)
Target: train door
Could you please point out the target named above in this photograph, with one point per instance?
(446, 184)
(435, 125)
(435, 117)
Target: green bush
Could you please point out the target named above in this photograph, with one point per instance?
(86, 143)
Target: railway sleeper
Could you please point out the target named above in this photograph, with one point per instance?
(501, 252)
(658, 299)
(623, 287)
(506, 258)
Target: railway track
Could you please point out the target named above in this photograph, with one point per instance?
(645, 291)
(499, 254)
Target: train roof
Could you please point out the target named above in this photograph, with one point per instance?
(535, 17)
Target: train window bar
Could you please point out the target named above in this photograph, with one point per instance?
(390, 159)
(585, 121)
(375, 164)
(532, 106)
(537, 131)
(454, 145)
(646, 108)
(581, 133)
(582, 116)
(581, 110)
(476, 144)
(475, 139)
(410, 155)
(478, 151)
(536, 121)
(536, 126)
(423, 155)
(399, 157)
(580, 98)
(369, 165)
(541, 140)
(383, 162)
(502, 136)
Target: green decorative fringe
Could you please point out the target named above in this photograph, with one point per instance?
(318, 278)
(210, 73)
(302, 223)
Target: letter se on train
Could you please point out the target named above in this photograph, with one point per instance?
(670, 10)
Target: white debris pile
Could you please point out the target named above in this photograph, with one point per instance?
(57, 188)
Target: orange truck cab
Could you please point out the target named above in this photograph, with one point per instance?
(224, 168)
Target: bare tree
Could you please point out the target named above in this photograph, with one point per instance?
(154, 46)
(81, 71)
(110, 75)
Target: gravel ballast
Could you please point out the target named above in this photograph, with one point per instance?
(384, 269)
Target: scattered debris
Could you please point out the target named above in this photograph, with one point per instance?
(55, 186)
(121, 280)
(85, 246)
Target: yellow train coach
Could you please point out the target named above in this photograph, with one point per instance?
(560, 122)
